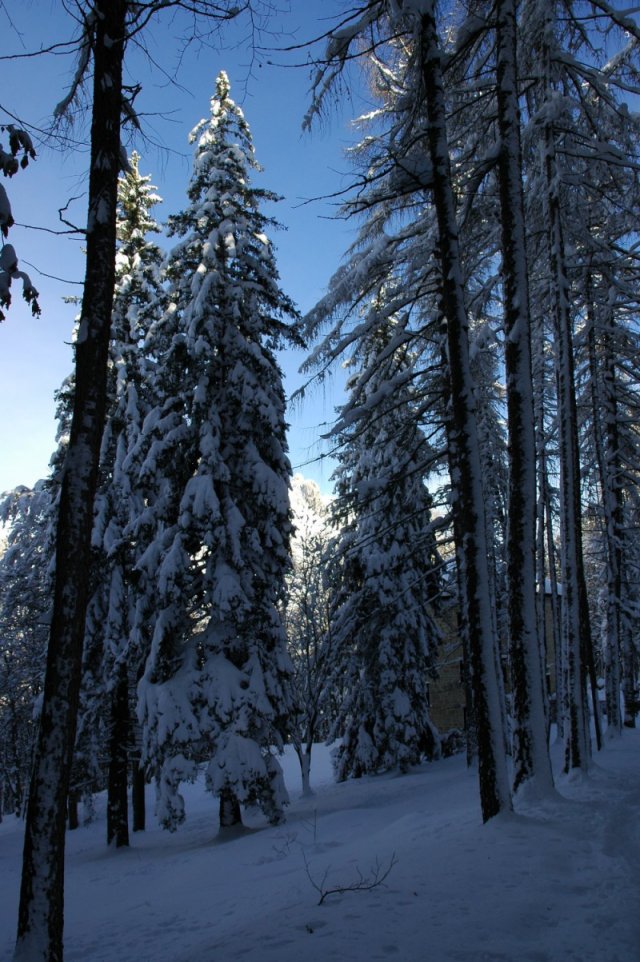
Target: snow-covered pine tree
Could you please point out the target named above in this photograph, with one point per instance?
(113, 656)
(384, 572)
(106, 25)
(25, 611)
(27, 569)
(216, 475)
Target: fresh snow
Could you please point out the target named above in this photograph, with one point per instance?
(553, 882)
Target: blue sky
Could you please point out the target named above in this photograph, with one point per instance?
(273, 90)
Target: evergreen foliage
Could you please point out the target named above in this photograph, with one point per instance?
(215, 475)
(384, 573)
(25, 611)
(113, 654)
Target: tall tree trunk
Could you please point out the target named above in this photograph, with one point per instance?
(607, 447)
(549, 619)
(530, 749)
(556, 613)
(548, 623)
(574, 595)
(461, 626)
(138, 805)
(541, 572)
(230, 813)
(119, 734)
(629, 678)
(463, 443)
(303, 751)
(72, 809)
(139, 774)
(40, 921)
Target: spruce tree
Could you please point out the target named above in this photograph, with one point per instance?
(113, 654)
(385, 570)
(216, 475)
(25, 610)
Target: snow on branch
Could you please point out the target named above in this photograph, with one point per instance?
(85, 45)
(338, 52)
(6, 217)
(621, 18)
(19, 140)
(9, 272)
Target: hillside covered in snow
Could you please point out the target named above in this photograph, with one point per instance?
(555, 881)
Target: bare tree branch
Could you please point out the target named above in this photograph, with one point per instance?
(363, 883)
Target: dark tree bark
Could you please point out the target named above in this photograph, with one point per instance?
(462, 630)
(120, 728)
(138, 782)
(463, 443)
(630, 673)
(72, 810)
(530, 752)
(230, 813)
(575, 609)
(610, 471)
(576, 625)
(40, 921)
(556, 614)
(138, 777)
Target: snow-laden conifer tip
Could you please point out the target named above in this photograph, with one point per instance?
(223, 86)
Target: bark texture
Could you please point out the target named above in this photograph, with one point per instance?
(138, 803)
(117, 803)
(230, 813)
(610, 471)
(530, 754)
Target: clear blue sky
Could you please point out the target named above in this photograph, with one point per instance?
(34, 353)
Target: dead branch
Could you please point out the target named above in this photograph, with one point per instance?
(363, 883)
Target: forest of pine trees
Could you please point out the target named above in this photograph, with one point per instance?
(487, 448)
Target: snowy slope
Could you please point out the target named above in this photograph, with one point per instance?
(544, 885)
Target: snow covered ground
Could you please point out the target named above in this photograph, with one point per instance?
(558, 882)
